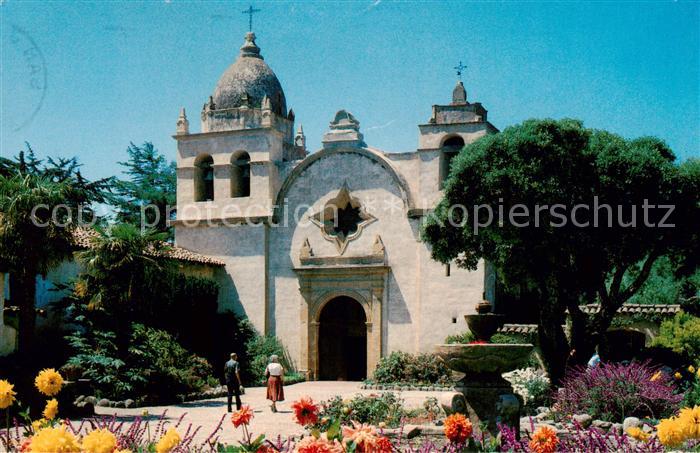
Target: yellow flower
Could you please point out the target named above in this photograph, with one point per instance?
(637, 434)
(38, 424)
(49, 382)
(670, 432)
(691, 369)
(677, 376)
(689, 420)
(54, 440)
(656, 376)
(51, 409)
(7, 395)
(698, 374)
(122, 451)
(99, 441)
(168, 441)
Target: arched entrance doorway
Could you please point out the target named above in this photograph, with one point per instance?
(342, 345)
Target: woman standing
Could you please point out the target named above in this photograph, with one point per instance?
(275, 381)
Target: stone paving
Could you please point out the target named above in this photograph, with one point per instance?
(207, 413)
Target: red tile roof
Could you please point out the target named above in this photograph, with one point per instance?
(626, 309)
(82, 238)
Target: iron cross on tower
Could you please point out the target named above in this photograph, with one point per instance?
(460, 67)
(250, 11)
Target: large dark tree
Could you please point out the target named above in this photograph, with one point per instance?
(148, 194)
(116, 266)
(559, 165)
(39, 208)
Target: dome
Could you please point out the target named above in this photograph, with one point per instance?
(248, 80)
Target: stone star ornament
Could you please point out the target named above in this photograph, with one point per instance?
(342, 219)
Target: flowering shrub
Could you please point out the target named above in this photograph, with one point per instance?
(533, 385)
(402, 367)
(386, 408)
(576, 439)
(333, 438)
(334, 431)
(613, 391)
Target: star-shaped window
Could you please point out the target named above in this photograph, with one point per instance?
(342, 219)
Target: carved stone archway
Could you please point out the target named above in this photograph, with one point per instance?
(319, 284)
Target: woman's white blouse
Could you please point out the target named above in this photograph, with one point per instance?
(275, 369)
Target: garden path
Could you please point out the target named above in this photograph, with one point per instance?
(207, 413)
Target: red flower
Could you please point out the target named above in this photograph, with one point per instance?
(242, 416)
(544, 440)
(305, 411)
(457, 428)
(383, 445)
(26, 445)
(266, 449)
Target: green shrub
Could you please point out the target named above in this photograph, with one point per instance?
(691, 397)
(510, 338)
(167, 369)
(402, 367)
(156, 368)
(372, 409)
(293, 378)
(682, 335)
(460, 338)
(259, 348)
(95, 358)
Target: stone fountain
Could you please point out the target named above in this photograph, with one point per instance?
(488, 397)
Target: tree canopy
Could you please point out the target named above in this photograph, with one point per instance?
(578, 216)
(40, 205)
(150, 187)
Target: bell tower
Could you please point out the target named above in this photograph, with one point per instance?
(460, 118)
(230, 170)
(453, 126)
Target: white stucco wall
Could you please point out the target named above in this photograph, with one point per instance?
(242, 248)
(420, 302)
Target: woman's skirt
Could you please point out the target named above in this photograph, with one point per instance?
(275, 390)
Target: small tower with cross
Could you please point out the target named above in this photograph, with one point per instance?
(459, 94)
(452, 126)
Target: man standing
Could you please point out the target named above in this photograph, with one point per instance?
(233, 380)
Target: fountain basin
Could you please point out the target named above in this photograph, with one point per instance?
(484, 325)
(480, 359)
(487, 397)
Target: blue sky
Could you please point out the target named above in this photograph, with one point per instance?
(85, 79)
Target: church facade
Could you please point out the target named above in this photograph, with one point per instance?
(323, 249)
